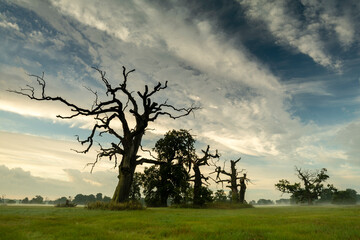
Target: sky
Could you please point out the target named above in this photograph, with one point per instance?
(277, 82)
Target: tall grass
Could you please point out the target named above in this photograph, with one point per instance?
(131, 205)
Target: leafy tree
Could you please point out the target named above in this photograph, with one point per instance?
(347, 197)
(25, 200)
(99, 197)
(312, 185)
(84, 199)
(220, 196)
(252, 202)
(37, 200)
(265, 202)
(61, 200)
(283, 201)
(120, 105)
(327, 194)
(169, 179)
(107, 199)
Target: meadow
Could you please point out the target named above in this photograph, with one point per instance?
(305, 222)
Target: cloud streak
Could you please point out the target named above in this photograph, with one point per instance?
(290, 31)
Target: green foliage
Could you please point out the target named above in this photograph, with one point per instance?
(169, 180)
(220, 196)
(312, 185)
(176, 145)
(346, 197)
(265, 202)
(113, 206)
(135, 187)
(37, 200)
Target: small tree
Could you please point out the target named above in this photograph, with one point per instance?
(37, 199)
(312, 185)
(25, 200)
(99, 197)
(220, 196)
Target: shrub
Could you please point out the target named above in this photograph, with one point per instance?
(66, 204)
(131, 205)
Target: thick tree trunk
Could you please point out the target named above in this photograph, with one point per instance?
(197, 186)
(242, 189)
(126, 170)
(234, 186)
(122, 190)
(234, 195)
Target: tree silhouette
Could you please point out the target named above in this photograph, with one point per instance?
(139, 107)
(198, 177)
(233, 180)
(312, 185)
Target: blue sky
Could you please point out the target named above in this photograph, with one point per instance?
(278, 83)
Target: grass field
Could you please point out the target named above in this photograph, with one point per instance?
(254, 223)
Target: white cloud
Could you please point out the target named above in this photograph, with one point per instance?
(5, 24)
(288, 30)
(325, 14)
(19, 183)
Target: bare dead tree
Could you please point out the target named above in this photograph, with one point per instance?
(198, 177)
(142, 109)
(233, 177)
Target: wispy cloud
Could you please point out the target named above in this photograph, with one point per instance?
(289, 30)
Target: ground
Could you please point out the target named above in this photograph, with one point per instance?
(327, 222)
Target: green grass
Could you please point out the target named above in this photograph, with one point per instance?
(176, 223)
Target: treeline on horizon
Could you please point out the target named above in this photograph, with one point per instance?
(347, 197)
(79, 199)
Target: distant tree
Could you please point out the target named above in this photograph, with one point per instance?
(106, 199)
(61, 200)
(37, 200)
(252, 202)
(11, 201)
(265, 202)
(312, 185)
(120, 105)
(25, 200)
(99, 197)
(349, 196)
(283, 201)
(220, 196)
(233, 178)
(327, 195)
(84, 199)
